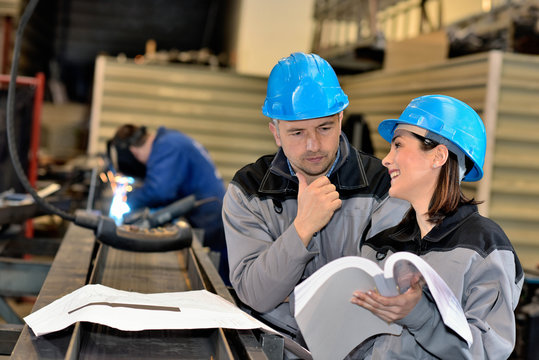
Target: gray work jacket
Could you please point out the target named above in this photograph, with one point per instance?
(477, 261)
(266, 256)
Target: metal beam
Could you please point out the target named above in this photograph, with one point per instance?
(78, 262)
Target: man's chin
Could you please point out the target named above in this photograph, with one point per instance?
(315, 172)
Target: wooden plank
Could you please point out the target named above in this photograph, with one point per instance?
(192, 123)
(522, 101)
(517, 128)
(176, 107)
(517, 155)
(454, 73)
(182, 74)
(128, 88)
(420, 50)
(231, 144)
(523, 185)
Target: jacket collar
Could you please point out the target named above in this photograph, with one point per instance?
(410, 230)
(349, 172)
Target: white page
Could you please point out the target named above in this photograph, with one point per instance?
(331, 325)
(126, 310)
(304, 291)
(448, 305)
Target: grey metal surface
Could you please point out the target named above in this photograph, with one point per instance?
(79, 263)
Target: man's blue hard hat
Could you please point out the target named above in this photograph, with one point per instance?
(303, 86)
(449, 118)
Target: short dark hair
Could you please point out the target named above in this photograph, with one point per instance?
(129, 135)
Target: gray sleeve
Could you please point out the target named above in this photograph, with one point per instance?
(263, 268)
(489, 303)
(429, 330)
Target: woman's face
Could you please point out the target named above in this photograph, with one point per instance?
(413, 171)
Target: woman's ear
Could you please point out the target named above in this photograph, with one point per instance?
(440, 156)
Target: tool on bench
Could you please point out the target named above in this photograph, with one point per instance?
(147, 220)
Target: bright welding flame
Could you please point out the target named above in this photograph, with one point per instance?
(121, 185)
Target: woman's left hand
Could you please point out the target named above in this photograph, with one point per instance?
(392, 308)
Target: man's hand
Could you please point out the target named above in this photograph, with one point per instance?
(390, 309)
(316, 204)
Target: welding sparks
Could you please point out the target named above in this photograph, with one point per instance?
(121, 185)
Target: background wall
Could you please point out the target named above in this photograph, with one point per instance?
(265, 31)
(270, 30)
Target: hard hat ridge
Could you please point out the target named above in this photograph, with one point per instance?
(303, 86)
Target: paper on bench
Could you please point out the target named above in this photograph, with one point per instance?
(132, 311)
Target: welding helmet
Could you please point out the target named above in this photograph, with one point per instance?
(121, 158)
(303, 86)
(449, 118)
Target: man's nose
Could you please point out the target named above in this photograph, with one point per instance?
(313, 143)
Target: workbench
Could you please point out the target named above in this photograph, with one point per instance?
(82, 260)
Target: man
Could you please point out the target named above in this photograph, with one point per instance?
(174, 166)
(289, 214)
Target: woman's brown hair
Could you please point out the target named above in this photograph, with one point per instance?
(448, 195)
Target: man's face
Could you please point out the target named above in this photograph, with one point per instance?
(310, 145)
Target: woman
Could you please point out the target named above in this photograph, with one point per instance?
(435, 143)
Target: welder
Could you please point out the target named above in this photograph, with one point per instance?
(173, 166)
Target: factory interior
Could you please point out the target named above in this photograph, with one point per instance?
(83, 68)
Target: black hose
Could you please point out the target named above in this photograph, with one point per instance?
(9, 118)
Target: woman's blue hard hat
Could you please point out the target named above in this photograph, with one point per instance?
(450, 118)
(303, 86)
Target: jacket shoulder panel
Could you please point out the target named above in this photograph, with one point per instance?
(249, 177)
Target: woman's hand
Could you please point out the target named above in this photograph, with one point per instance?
(392, 308)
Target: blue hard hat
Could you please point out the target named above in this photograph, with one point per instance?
(303, 86)
(449, 118)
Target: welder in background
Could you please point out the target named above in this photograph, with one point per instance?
(173, 166)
